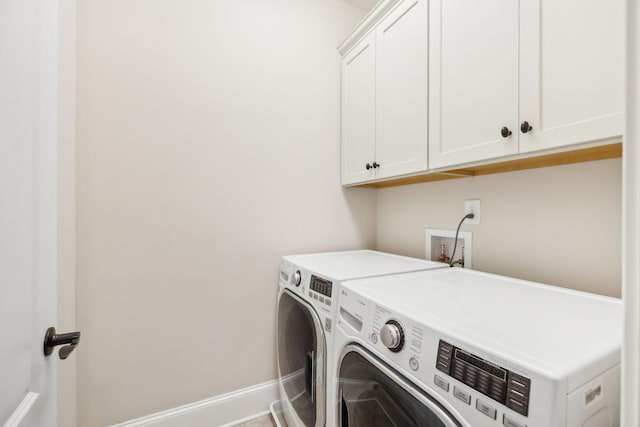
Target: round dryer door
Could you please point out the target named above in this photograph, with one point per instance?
(373, 395)
(300, 356)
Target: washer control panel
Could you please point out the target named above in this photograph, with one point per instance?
(401, 340)
(500, 384)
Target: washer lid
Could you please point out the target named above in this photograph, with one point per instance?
(557, 332)
(357, 264)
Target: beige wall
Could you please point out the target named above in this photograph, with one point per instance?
(558, 225)
(66, 207)
(207, 148)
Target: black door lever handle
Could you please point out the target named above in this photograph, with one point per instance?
(69, 340)
(66, 351)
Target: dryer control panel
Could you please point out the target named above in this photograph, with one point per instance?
(500, 384)
(310, 286)
(320, 285)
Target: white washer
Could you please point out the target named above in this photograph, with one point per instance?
(458, 347)
(307, 304)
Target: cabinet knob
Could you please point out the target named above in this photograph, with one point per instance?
(505, 132)
(368, 166)
(525, 127)
(376, 165)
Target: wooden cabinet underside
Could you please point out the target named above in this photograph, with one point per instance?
(564, 158)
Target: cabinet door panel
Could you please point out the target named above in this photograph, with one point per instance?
(572, 71)
(358, 111)
(402, 90)
(473, 79)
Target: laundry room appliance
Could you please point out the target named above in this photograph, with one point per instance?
(458, 347)
(307, 303)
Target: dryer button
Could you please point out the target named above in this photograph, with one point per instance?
(462, 395)
(486, 409)
(508, 422)
(441, 382)
(413, 364)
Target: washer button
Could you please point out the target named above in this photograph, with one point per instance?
(374, 338)
(441, 382)
(462, 395)
(508, 422)
(486, 409)
(413, 364)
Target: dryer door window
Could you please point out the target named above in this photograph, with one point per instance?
(374, 395)
(300, 359)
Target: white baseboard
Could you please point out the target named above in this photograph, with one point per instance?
(217, 411)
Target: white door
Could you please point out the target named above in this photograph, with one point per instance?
(402, 99)
(359, 112)
(473, 80)
(572, 71)
(28, 135)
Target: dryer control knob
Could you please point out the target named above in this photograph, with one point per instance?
(297, 278)
(392, 335)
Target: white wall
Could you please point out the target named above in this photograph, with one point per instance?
(207, 148)
(558, 225)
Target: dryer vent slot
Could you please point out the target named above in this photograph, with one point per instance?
(350, 319)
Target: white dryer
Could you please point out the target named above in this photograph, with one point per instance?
(307, 304)
(458, 347)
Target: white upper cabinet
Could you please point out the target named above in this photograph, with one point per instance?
(402, 103)
(494, 65)
(473, 80)
(385, 97)
(359, 112)
(571, 71)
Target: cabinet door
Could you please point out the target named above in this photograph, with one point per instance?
(402, 90)
(358, 111)
(572, 71)
(473, 77)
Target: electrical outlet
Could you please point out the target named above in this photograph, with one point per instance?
(472, 206)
